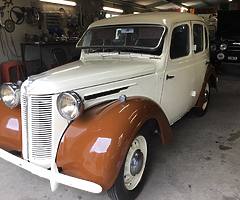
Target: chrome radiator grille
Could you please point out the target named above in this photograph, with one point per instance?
(37, 126)
(41, 126)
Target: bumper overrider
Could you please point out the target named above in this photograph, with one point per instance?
(52, 175)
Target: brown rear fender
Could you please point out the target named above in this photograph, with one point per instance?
(94, 146)
(10, 128)
(211, 78)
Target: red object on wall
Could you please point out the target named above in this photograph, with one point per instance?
(11, 71)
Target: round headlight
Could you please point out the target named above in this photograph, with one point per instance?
(223, 47)
(220, 56)
(70, 105)
(10, 94)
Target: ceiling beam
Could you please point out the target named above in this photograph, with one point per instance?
(151, 7)
(159, 3)
(125, 3)
(207, 3)
(178, 3)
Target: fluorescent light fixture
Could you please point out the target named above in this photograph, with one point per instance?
(135, 13)
(196, 3)
(63, 2)
(230, 0)
(183, 9)
(168, 6)
(116, 10)
(109, 15)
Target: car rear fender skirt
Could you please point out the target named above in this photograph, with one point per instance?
(10, 128)
(94, 146)
(211, 78)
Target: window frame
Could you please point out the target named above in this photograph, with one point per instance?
(206, 33)
(125, 25)
(190, 41)
(203, 26)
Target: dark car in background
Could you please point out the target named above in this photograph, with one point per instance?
(226, 47)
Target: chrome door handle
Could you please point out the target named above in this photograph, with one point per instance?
(169, 77)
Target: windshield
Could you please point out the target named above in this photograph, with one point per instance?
(124, 38)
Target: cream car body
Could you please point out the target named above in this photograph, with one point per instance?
(174, 84)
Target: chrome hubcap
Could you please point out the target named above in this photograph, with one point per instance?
(136, 162)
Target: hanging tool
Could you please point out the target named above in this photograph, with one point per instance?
(1, 29)
(17, 14)
(8, 3)
(32, 15)
(9, 26)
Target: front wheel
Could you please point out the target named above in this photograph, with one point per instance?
(131, 177)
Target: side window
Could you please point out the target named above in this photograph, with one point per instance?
(180, 45)
(206, 38)
(198, 37)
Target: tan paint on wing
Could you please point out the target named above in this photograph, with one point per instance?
(10, 128)
(95, 145)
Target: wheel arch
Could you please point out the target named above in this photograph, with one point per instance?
(104, 142)
(211, 78)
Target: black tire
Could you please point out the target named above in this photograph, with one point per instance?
(119, 190)
(202, 111)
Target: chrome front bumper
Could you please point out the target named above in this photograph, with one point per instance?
(52, 175)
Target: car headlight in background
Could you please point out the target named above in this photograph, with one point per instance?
(223, 47)
(220, 56)
(70, 105)
(10, 94)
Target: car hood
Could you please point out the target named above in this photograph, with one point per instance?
(84, 74)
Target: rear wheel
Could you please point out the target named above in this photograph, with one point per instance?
(202, 111)
(131, 177)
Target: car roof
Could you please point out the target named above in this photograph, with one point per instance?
(162, 18)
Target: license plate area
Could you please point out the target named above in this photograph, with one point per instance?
(233, 58)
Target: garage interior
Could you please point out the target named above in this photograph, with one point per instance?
(202, 163)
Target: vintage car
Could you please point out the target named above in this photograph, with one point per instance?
(88, 124)
(226, 47)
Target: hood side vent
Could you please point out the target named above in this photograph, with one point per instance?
(106, 93)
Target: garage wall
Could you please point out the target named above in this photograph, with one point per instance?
(89, 11)
(17, 36)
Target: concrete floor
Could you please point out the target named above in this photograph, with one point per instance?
(202, 163)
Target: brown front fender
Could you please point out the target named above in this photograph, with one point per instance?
(10, 128)
(95, 145)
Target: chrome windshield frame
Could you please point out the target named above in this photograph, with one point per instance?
(124, 47)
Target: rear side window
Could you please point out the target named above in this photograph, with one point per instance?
(180, 43)
(206, 38)
(198, 37)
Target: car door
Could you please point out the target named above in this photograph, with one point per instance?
(200, 52)
(179, 94)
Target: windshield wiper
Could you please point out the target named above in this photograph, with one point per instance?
(95, 49)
